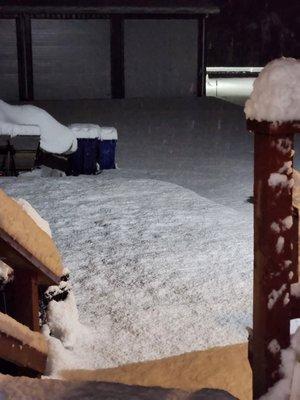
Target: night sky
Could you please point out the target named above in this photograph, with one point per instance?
(252, 32)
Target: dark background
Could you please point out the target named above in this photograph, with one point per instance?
(253, 32)
(71, 58)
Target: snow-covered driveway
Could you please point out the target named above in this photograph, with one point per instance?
(157, 269)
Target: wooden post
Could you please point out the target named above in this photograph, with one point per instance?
(24, 46)
(275, 268)
(23, 298)
(117, 57)
(201, 57)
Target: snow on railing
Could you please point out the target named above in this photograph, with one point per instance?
(273, 114)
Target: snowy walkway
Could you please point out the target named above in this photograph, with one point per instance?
(157, 269)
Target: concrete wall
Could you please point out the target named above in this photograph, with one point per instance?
(71, 59)
(8, 61)
(160, 58)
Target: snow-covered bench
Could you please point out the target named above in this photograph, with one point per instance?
(18, 147)
(27, 248)
(27, 127)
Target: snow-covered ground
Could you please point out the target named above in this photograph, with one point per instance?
(160, 251)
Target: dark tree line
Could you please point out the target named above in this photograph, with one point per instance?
(253, 32)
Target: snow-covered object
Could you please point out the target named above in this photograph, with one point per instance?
(55, 137)
(63, 320)
(11, 327)
(85, 131)
(288, 388)
(276, 92)
(7, 128)
(17, 223)
(93, 131)
(108, 133)
(43, 224)
(6, 273)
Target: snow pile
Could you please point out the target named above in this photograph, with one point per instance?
(62, 316)
(93, 131)
(11, 327)
(63, 329)
(108, 133)
(33, 214)
(12, 130)
(276, 92)
(22, 228)
(288, 388)
(85, 131)
(55, 137)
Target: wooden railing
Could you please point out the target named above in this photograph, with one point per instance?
(275, 250)
(22, 298)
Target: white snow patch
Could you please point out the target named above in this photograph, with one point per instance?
(277, 179)
(276, 92)
(108, 133)
(286, 299)
(93, 131)
(280, 244)
(287, 222)
(295, 289)
(275, 295)
(286, 168)
(85, 131)
(55, 137)
(6, 273)
(12, 130)
(275, 227)
(11, 327)
(282, 389)
(274, 346)
(63, 320)
(33, 214)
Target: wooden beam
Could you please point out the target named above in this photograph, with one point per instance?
(109, 7)
(24, 359)
(117, 57)
(201, 57)
(22, 297)
(24, 47)
(18, 257)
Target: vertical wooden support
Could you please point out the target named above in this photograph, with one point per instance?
(24, 47)
(201, 57)
(117, 57)
(23, 298)
(275, 267)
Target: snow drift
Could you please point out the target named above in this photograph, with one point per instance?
(55, 137)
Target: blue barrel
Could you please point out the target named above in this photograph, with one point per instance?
(84, 160)
(107, 153)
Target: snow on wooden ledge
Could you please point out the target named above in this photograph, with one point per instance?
(11, 327)
(22, 228)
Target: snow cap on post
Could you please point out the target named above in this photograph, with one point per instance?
(276, 93)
